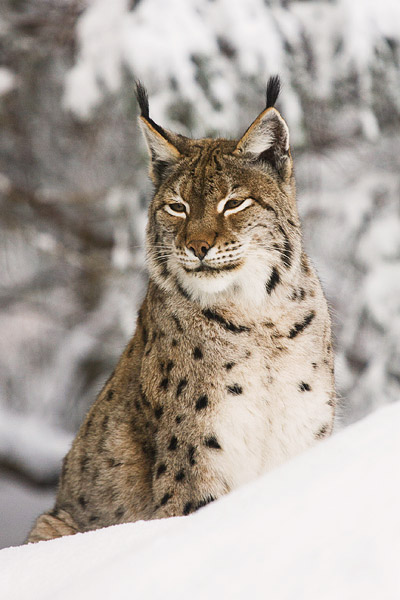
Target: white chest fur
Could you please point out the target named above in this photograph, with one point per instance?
(275, 417)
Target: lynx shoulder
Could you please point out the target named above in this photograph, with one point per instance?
(230, 370)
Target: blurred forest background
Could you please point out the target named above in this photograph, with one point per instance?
(74, 189)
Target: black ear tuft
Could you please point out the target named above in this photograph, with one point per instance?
(273, 89)
(143, 99)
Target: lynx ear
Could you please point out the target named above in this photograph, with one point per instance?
(162, 151)
(267, 138)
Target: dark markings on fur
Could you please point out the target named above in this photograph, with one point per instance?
(322, 432)
(131, 349)
(272, 281)
(110, 394)
(93, 518)
(181, 385)
(158, 412)
(286, 254)
(148, 450)
(270, 208)
(202, 402)
(114, 463)
(177, 323)
(164, 383)
(213, 316)
(178, 419)
(105, 422)
(182, 291)
(137, 405)
(174, 342)
(217, 164)
(235, 389)
(266, 206)
(100, 445)
(119, 513)
(197, 353)
(84, 464)
(88, 426)
(304, 387)
(292, 223)
(299, 327)
(170, 366)
(187, 508)
(165, 499)
(314, 365)
(164, 269)
(82, 501)
(160, 470)
(191, 451)
(173, 444)
(304, 264)
(331, 402)
(228, 366)
(302, 294)
(212, 442)
(205, 502)
(144, 397)
(180, 475)
(144, 335)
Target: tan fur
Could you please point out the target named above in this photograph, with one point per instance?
(230, 370)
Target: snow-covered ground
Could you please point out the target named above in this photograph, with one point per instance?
(325, 526)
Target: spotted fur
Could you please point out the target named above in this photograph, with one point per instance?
(230, 370)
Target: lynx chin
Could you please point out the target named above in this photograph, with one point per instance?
(230, 370)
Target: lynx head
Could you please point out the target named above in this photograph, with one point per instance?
(223, 218)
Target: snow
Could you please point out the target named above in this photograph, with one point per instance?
(175, 46)
(7, 80)
(324, 526)
(181, 42)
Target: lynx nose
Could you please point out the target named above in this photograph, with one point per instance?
(199, 248)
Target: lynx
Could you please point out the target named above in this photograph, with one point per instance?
(230, 370)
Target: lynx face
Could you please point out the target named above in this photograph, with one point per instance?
(223, 214)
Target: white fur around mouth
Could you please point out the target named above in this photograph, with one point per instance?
(200, 283)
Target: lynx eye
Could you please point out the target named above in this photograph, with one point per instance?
(177, 209)
(233, 205)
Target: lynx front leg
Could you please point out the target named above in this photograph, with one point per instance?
(186, 476)
(51, 525)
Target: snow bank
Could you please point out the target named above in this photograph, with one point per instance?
(324, 526)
